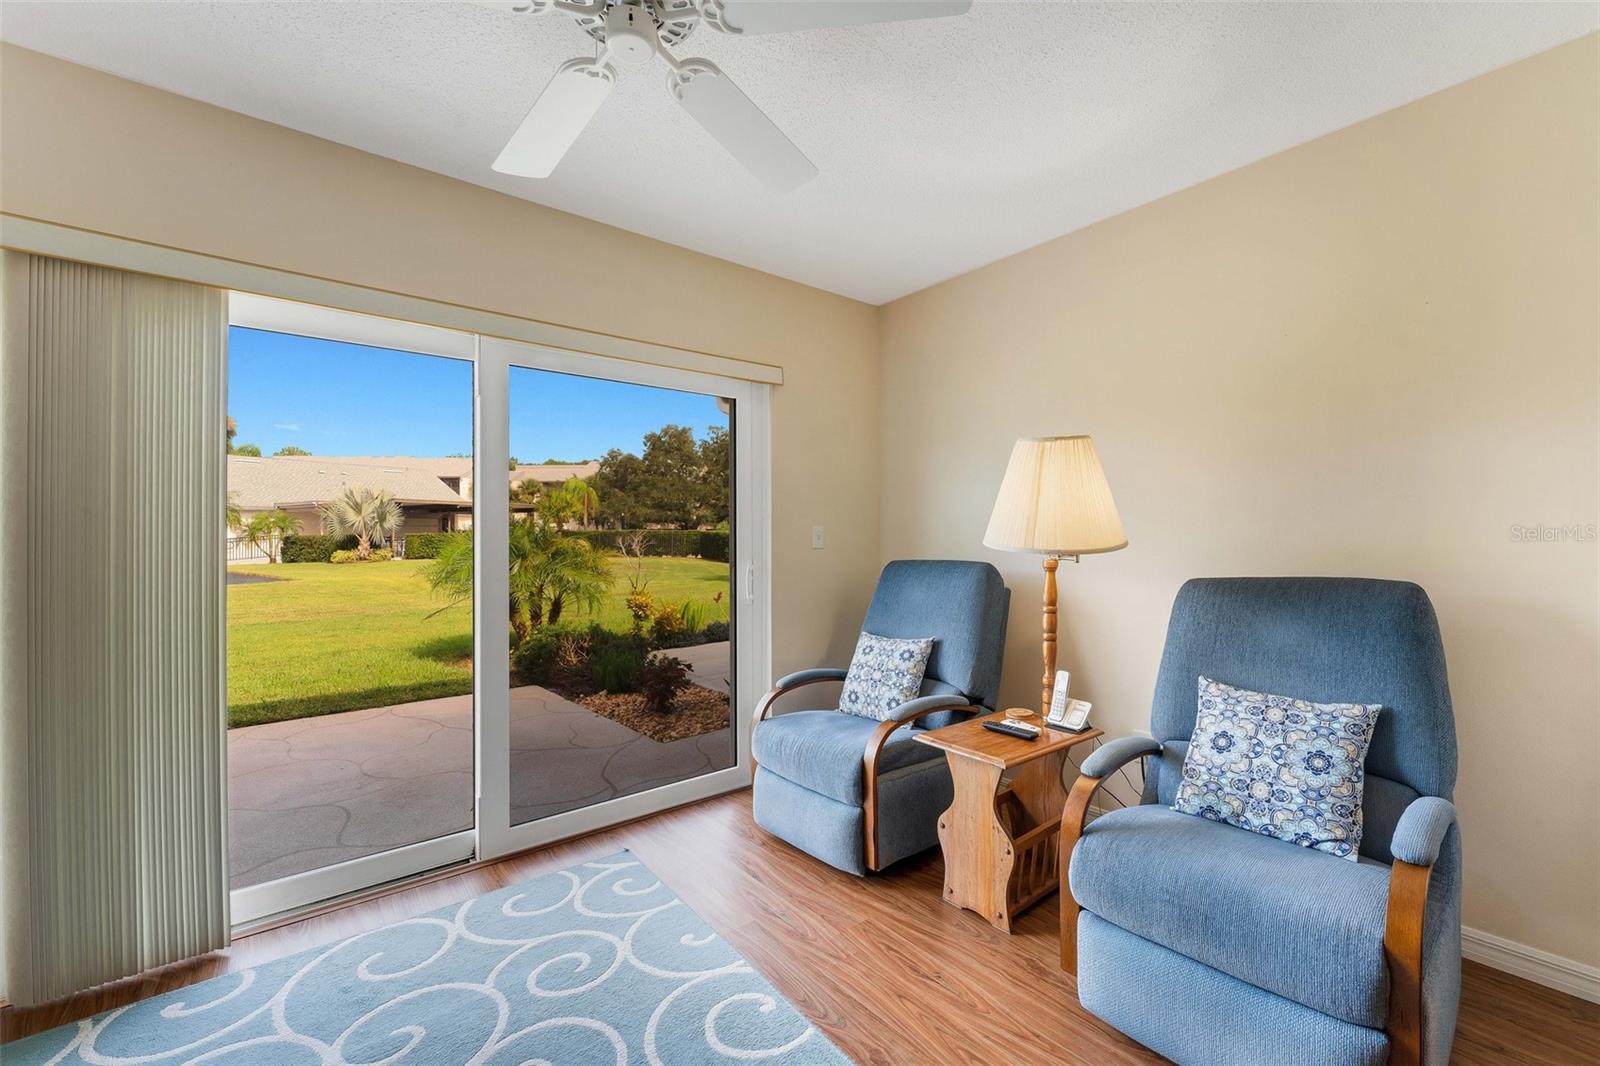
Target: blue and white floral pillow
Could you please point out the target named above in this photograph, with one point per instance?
(1276, 765)
(885, 672)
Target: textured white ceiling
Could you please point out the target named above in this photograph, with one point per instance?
(943, 144)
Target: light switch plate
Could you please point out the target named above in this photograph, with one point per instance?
(816, 536)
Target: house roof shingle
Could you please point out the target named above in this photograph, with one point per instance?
(281, 481)
(553, 473)
(459, 466)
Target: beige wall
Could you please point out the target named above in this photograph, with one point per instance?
(1374, 354)
(90, 150)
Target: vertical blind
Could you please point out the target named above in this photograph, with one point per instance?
(111, 601)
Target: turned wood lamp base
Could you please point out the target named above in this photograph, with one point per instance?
(1050, 612)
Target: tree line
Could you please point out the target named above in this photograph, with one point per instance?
(678, 482)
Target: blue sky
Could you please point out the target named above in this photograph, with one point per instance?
(347, 399)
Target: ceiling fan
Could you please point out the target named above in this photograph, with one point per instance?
(632, 32)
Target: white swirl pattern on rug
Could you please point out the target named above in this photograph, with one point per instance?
(595, 965)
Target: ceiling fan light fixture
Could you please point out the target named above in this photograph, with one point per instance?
(631, 37)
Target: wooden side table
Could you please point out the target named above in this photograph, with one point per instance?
(1001, 837)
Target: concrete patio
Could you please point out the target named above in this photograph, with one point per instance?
(317, 791)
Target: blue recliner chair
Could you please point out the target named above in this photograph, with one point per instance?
(860, 794)
(1211, 944)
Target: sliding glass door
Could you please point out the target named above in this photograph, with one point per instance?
(481, 595)
(350, 673)
(632, 548)
(621, 595)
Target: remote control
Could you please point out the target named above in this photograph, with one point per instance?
(1020, 732)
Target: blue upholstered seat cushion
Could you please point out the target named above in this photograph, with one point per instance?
(1285, 767)
(884, 673)
(1297, 922)
(1192, 1013)
(822, 751)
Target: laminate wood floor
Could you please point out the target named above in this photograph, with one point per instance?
(890, 972)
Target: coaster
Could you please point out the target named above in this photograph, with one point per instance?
(1018, 712)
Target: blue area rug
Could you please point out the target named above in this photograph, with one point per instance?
(596, 964)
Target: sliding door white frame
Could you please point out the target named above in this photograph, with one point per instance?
(494, 835)
(752, 508)
(256, 902)
(326, 323)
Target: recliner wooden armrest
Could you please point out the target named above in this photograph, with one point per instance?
(788, 683)
(1417, 839)
(908, 712)
(1072, 821)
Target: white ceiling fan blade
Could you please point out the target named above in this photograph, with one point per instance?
(740, 126)
(779, 16)
(565, 107)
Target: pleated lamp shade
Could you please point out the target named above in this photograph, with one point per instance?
(1054, 500)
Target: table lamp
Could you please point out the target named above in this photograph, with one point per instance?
(1054, 501)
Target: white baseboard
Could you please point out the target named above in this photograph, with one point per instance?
(1541, 967)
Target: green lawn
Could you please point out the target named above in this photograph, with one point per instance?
(329, 637)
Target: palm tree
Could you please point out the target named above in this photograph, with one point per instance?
(267, 530)
(367, 514)
(581, 497)
(549, 572)
(235, 516)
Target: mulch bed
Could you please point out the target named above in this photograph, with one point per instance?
(696, 712)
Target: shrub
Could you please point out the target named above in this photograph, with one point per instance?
(613, 539)
(535, 657)
(713, 545)
(706, 543)
(694, 615)
(641, 605)
(714, 631)
(581, 659)
(667, 621)
(569, 662)
(313, 547)
(429, 545)
(683, 627)
(349, 555)
(664, 677)
(618, 667)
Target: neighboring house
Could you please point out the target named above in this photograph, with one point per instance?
(456, 471)
(436, 494)
(553, 473)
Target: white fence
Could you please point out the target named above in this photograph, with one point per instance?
(241, 550)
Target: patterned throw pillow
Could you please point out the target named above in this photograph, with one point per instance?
(884, 674)
(1284, 767)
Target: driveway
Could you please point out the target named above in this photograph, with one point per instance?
(316, 791)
